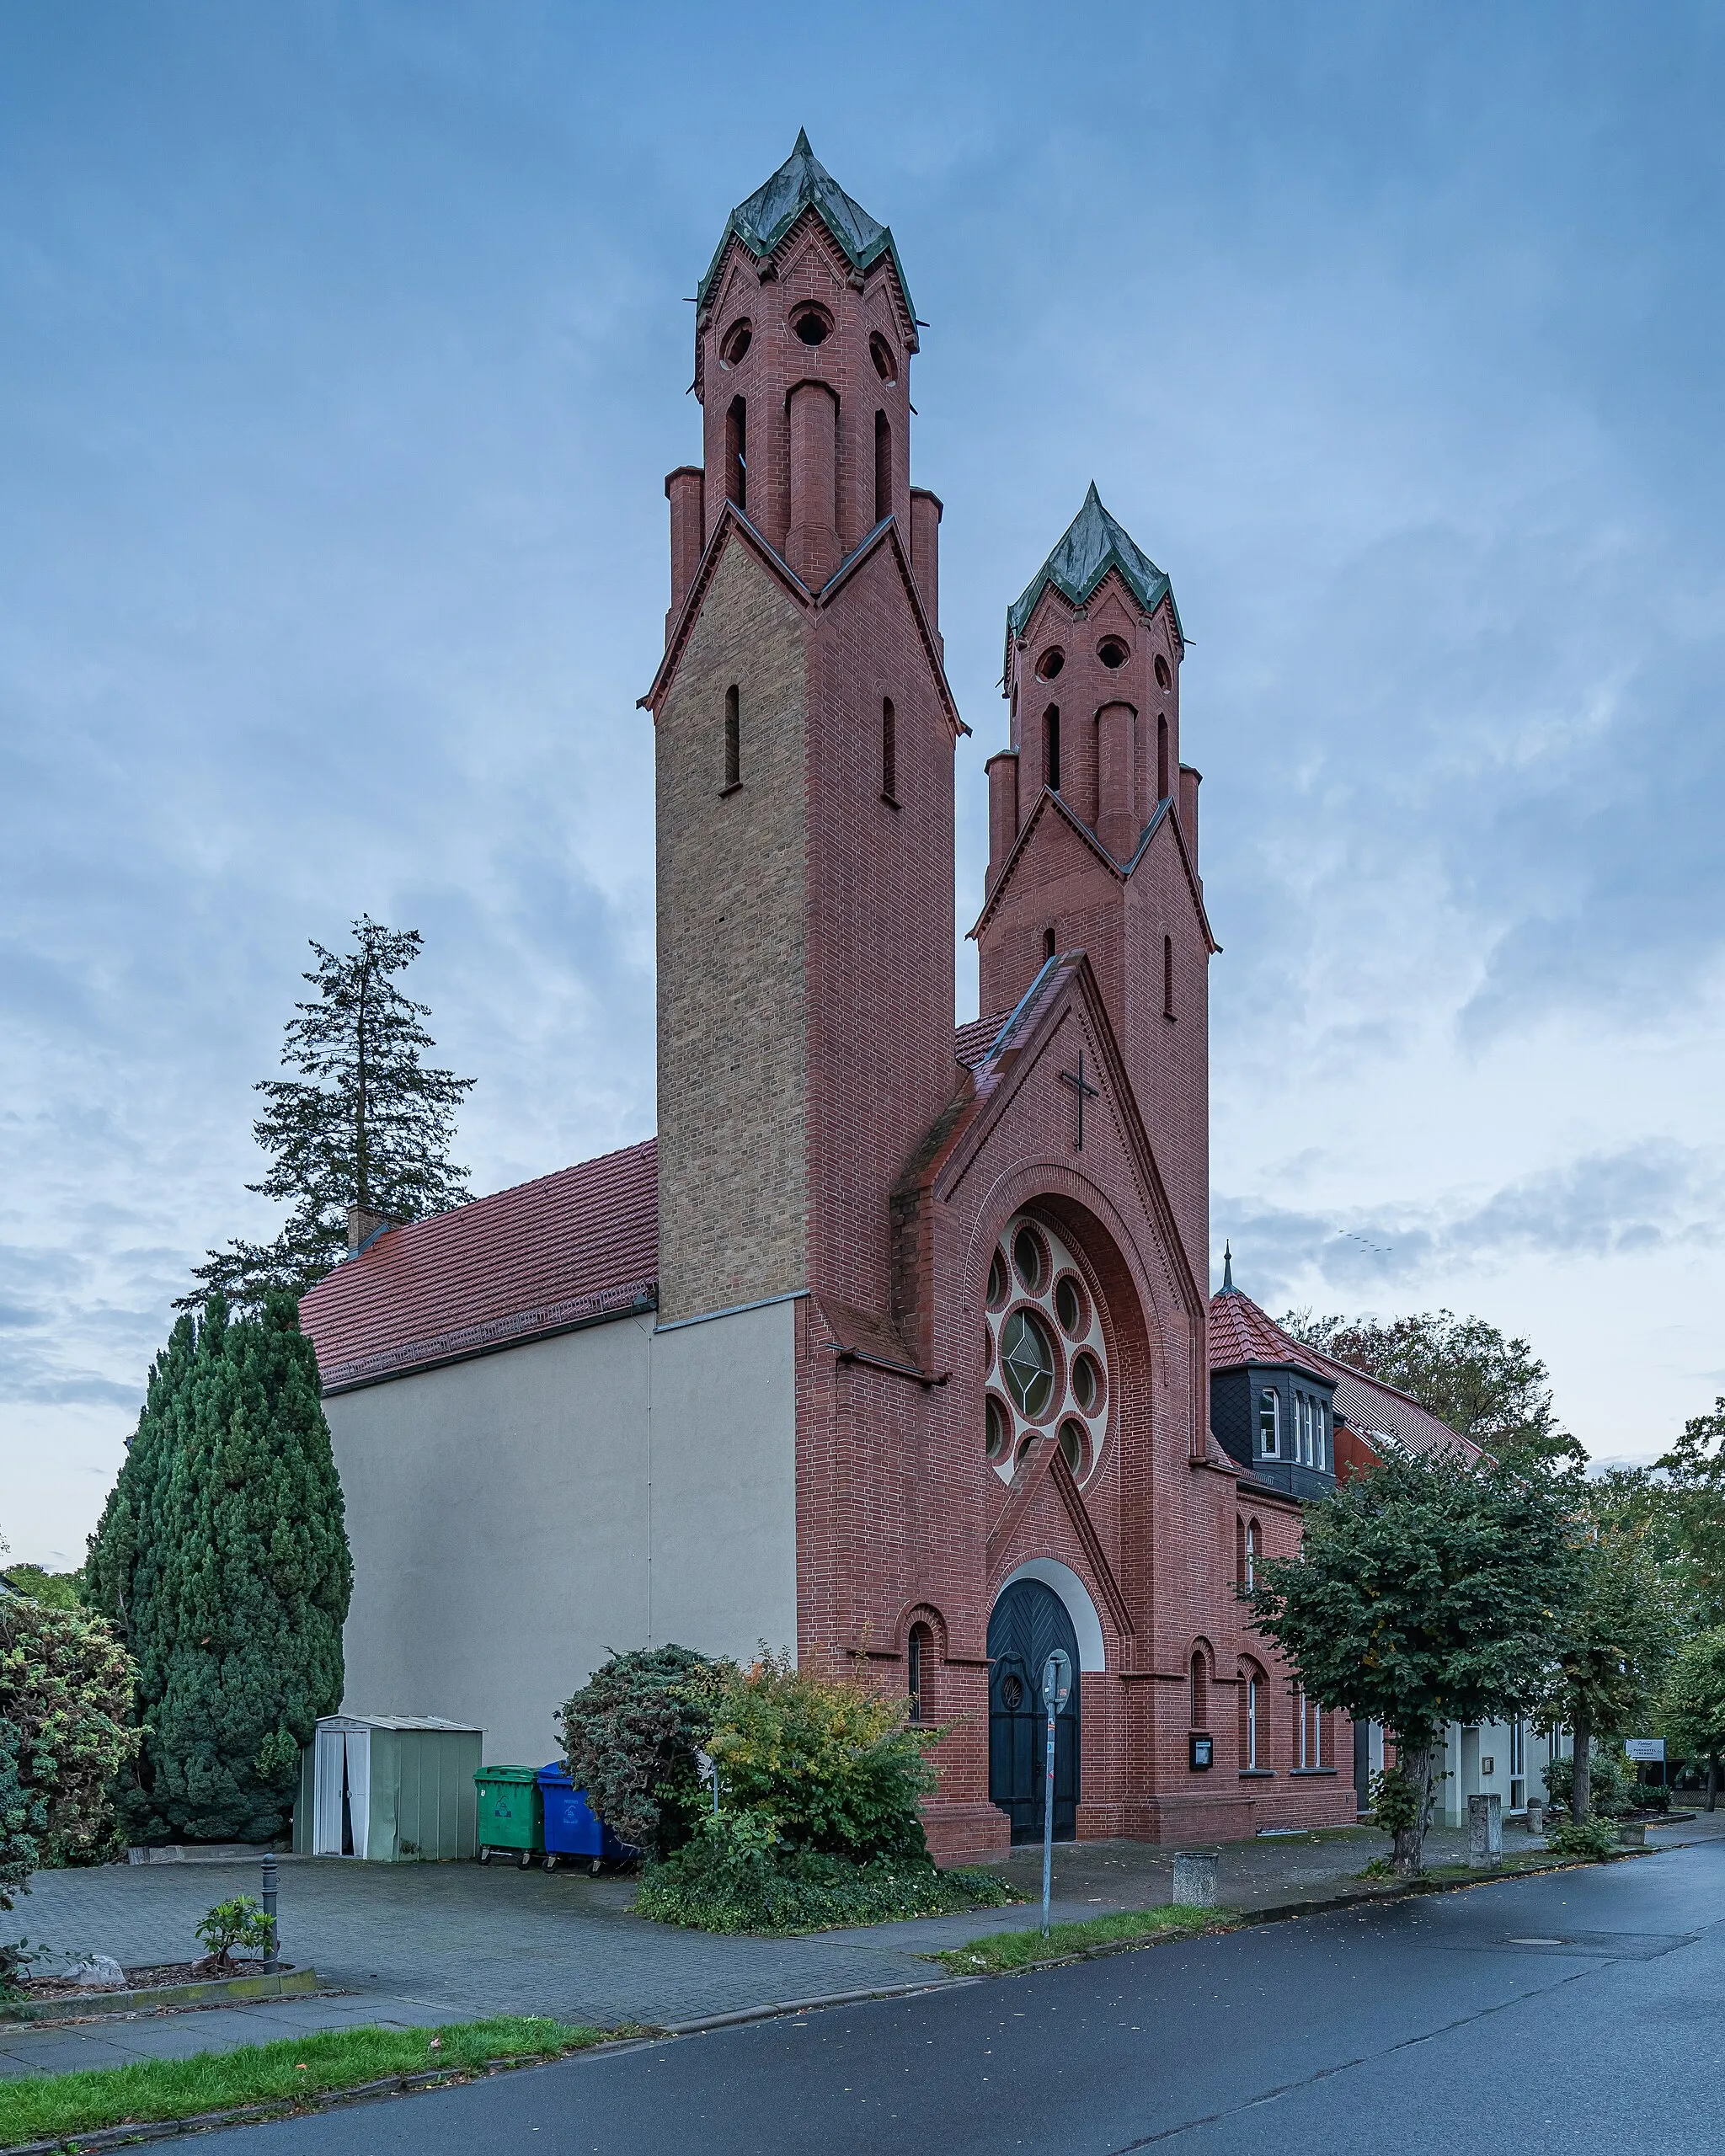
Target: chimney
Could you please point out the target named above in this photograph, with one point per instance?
(1189, 780)
(363, 1223)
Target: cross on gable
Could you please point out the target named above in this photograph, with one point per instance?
(1085, 1091)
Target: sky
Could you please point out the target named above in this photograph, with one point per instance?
(344, 349)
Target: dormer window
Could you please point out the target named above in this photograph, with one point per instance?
(1269, 1424)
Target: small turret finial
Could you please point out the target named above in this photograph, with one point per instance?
(1228, 1288)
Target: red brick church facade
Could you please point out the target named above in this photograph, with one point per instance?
(994, 1243)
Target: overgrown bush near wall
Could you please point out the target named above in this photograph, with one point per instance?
(630, 1736)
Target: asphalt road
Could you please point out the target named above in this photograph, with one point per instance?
(1501, 2018)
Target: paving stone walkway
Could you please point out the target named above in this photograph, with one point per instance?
(409, 1944)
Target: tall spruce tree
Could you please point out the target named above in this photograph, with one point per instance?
(222, 1557)
(366, 1123)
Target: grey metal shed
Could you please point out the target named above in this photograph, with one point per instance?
(396, 1789)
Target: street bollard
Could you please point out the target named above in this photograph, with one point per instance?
(1535, 1815)
(1485, 1831)
(269, 1906)
(1195, 1877)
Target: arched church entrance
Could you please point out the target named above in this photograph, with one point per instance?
(1029, 1622)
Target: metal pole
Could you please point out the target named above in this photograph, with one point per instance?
(269, 1906)
(1047, 1820)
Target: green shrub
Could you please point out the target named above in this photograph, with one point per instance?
(737, 1873)
(630, 1736)
(835, 1766)
(65, 1705)
(240, 1922)
(1593, 1837)
(1614, 1785)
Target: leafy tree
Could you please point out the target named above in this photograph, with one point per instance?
(1695, 1479)
(1425, 1591)
(222, 1557)
(366, 1123)
(58, 1590)
(1693, 1705)
(65, 1732)
(1613, 1640)
(1495, 1391)
(630, 1736)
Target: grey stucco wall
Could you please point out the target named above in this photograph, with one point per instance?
(515, 1518)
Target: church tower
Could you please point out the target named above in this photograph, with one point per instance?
(1093, 831)
(803, 754)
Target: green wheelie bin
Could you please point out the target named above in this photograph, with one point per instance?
(511, 1813)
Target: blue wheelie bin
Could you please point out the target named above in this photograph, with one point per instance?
(571, 1827)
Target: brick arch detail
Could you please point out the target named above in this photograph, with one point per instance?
(920, 1613)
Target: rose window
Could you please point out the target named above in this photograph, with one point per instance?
(1046, 1359)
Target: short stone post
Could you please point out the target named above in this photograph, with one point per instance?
(1485, 1831)
(1535, 1815)
(1633, 1833)
(1195, 1877)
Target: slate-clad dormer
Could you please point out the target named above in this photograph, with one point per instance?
(1272, 1406)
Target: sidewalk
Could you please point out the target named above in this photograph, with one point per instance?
(409, 1944)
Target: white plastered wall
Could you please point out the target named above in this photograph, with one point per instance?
(515, 1518)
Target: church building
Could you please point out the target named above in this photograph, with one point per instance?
(892, 1347)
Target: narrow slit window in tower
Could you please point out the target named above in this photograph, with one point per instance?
(916, 1658)
(736, 452)
(1048, 945)
(1168, 976)
(883, 466)
(1051, 746)
(733, 739)
(1162, 759)
(889, 750)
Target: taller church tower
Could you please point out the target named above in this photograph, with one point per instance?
(804, 738)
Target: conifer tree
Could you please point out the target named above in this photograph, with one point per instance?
(223, 1559)
(365, 1123)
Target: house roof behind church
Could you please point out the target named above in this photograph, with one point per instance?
(1240, 1332)
(803, 182)
(542, 1257)
(1093, 543)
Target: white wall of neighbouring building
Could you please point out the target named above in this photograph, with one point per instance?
(515, 1517)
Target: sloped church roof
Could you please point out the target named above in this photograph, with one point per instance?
(803, 182)
(1092, 544)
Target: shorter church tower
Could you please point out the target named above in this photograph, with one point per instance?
(1093, 831)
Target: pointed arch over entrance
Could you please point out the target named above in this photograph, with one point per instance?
(1029, 1621)
(1076, 1598)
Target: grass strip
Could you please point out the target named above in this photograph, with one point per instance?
(51, 2106)
(1023, 1950)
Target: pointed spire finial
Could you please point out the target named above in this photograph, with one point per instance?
(1228, 1288)
(803, 146)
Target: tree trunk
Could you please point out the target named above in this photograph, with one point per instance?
(1416, 1765)
(1712, 1781)
(1581, 1795)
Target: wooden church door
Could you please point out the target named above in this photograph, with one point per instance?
(1029, 1621)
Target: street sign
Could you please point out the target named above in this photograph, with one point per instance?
(1646, 1748)
(1056, 1691)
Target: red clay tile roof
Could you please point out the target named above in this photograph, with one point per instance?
(540, 1258)
(974, 1040)
(1240, 1332)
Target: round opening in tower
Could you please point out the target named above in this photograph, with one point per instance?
(1112, 651)
(734, 345)
(812, 324)
(1050, 663)
(886, 365)
(1163, 678)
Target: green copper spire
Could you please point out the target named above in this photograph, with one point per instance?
(1093, 544)
(803, 182)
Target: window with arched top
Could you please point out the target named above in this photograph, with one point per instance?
(1050, 945)
(1162, 771)
(733, 739)
(1250, 1694)
(883, 466)
(889, 750)
(1051, 747)
(1250, 1579)
(1168, 976)
(919, 1660)
(1200, 1691)
(736, 452)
